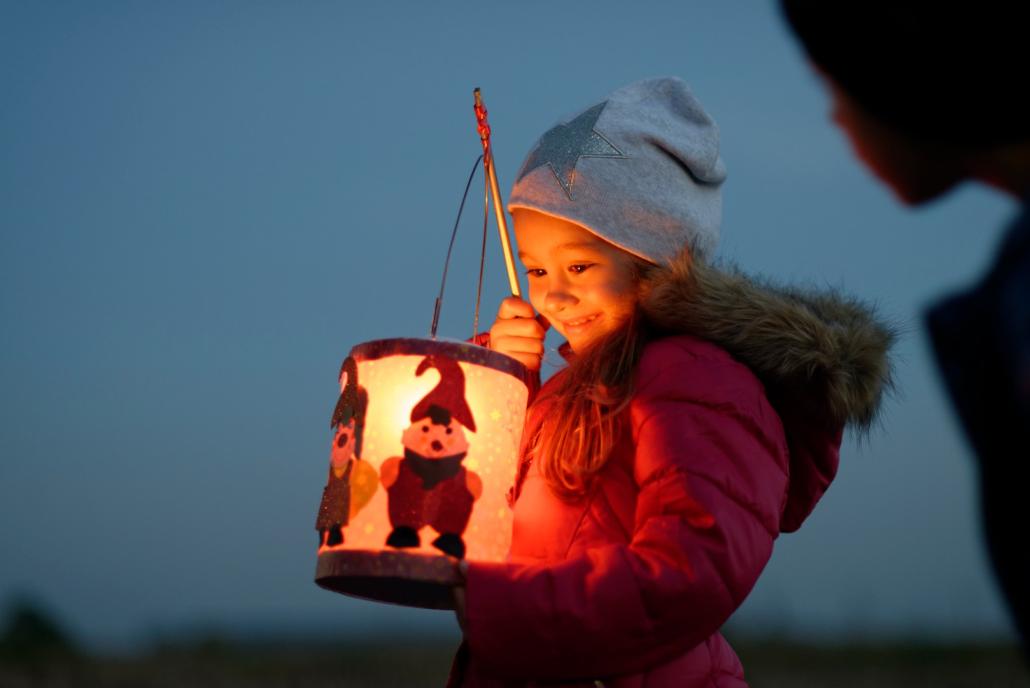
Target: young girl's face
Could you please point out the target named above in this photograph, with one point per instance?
(583, 285)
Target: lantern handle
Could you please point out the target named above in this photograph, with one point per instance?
(483, 127)
(450, 247)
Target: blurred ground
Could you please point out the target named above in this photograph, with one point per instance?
(218, 663)
(36, 651)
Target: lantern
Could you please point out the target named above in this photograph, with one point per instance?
(426, 437)
(425, 446)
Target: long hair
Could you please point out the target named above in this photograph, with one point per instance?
(585, 419)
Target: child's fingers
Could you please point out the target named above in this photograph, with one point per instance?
(514, 307)
(518, 327)
(528, 350)
(519, 345)
(518, 332)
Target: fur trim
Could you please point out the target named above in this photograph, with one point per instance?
(820, 349)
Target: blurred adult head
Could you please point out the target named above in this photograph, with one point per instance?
(929, 94)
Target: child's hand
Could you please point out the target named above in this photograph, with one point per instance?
(519, 332)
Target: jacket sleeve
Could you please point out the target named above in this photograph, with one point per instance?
(709, 462)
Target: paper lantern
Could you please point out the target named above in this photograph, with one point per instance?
(425, 445)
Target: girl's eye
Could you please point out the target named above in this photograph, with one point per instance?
(536, 272)
(579, 267)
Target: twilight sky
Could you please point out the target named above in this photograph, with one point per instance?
(203, 206)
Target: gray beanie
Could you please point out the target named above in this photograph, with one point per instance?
(640, 169)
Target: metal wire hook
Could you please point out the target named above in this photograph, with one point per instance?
(450, 247)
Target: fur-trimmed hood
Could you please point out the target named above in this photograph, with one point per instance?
(821, 355)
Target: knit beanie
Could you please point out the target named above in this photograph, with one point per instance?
(641, 170)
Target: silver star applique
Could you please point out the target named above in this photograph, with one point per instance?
(563, 145)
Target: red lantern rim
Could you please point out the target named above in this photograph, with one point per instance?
(456, 350)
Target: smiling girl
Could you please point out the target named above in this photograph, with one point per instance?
(699, 416)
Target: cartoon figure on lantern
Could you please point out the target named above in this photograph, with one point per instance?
(429, 485)
(352, 482)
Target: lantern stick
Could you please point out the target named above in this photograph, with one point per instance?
(482, 259)
(483, 127)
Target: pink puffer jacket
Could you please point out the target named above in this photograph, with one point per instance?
(629, 586)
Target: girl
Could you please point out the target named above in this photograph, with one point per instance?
(699, 416)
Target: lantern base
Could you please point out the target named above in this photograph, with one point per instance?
(405, 578)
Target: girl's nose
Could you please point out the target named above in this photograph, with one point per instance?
(557, 299)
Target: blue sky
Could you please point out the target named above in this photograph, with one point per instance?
(203, 206)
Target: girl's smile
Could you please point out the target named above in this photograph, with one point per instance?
(580, 323)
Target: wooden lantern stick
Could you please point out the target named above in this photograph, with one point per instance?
(483, 127)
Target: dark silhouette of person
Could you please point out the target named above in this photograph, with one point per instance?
(930, 96)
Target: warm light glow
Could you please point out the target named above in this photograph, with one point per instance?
(497, 401)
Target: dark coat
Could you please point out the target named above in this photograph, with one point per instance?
(982, 340)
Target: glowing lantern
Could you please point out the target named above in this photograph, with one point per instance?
(425, 449)
(426, 436)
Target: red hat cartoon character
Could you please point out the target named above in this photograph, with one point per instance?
(429, 485)
(352, 482)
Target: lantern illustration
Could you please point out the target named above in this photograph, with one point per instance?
(425, 446)
(437, 427)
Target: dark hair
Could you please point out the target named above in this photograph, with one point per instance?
(934, 71)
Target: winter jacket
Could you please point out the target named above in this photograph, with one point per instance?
(733, 436)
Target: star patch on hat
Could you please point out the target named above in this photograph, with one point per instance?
(561, 147)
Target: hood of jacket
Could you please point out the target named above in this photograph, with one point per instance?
(821, 355)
